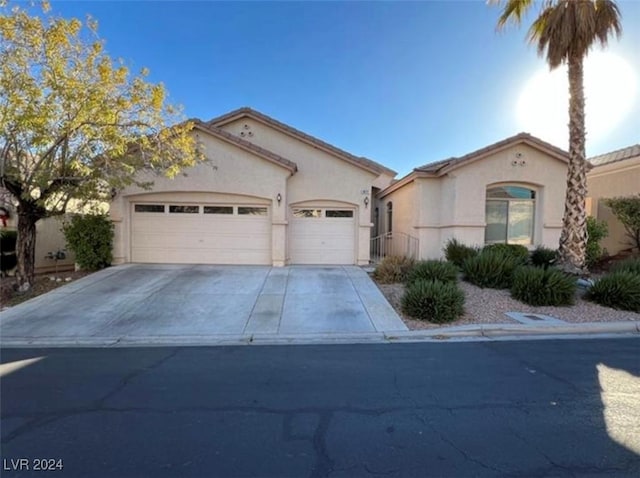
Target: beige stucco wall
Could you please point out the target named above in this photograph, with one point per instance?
(613, 180)
(229, 170)
(453, 205)
(321, 176)
(49, 238)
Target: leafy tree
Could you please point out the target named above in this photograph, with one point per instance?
(564, 32)
(75, 124)
(627, 210)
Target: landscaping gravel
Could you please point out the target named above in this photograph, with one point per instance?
(488, 306)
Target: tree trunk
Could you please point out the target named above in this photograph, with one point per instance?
(573, 239)
(26, 247)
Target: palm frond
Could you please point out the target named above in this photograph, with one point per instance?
(571, 27)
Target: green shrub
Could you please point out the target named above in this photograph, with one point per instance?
(543, 257)
(627, 211)
(8, 241)
(537, 286)
(90, 237)
(433, 301)
(620, 290)
(629, 265)
(433, 270)
(393, 269)
(596, 231)
(457, 252)
(491, 268)
(517, 251)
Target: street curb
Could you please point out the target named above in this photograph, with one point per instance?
(453, 334)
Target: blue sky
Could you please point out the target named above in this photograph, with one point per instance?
(403, 83)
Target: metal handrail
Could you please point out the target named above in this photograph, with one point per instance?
(393, 244)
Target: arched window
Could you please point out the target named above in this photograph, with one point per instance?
(389, 217)
(510, 212)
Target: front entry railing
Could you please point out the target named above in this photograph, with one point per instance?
(393, 244)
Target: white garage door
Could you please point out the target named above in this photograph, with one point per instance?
(200, 234)
(322, 236)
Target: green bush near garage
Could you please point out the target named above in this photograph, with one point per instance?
(433, 301)
(90, 237)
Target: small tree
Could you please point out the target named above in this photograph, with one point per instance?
(74, 124)
(627, 210)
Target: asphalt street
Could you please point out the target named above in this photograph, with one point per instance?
(523, 408)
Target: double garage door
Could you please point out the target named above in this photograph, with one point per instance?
(201, 234)
(238, 234)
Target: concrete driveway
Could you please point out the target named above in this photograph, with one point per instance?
(147, 302)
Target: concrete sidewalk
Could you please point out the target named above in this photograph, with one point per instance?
(463, 333)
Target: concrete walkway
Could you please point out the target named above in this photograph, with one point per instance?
(158, 303)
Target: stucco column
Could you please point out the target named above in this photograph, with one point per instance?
(279, 228)
(120, 245)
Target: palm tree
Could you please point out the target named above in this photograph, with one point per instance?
(564, 32)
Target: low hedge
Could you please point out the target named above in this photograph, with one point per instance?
(433, 301)
(393, 269)
(619, 290)
(628, 265)
(433, 270)
(492, 268)
(537, 286)
(543, 257)
(457, 252)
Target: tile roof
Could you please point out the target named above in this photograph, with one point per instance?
(358, 160)
(248, 145)
(615, 156)
(438, 166)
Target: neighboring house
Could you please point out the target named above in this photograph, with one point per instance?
(614, 174)
(267, 194)
(509, 192)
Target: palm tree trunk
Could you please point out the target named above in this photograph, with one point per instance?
(573, 239)
(26, 247)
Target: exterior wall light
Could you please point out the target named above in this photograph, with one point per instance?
(366, 201)
(279, 198)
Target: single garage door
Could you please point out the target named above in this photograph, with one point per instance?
(322, 236)
(201, 234)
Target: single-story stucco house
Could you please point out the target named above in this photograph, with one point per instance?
(271, 194)
(615, 174)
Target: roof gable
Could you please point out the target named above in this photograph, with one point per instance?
(246, 145)
(440, 168)
(246, 112)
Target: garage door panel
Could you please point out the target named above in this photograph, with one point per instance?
(322, 240)
(201, 238)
